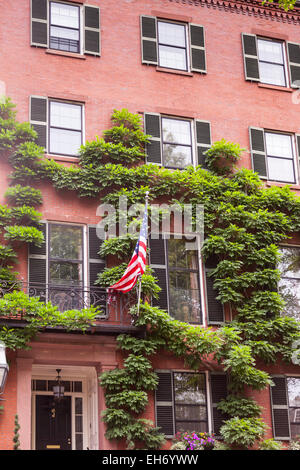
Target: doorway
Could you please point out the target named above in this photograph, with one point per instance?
(53, 423)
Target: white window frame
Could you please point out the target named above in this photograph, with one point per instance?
(193, 139)
(294, 150)
(187, 44)
(285, 61)
(76, 103)
(81, 23)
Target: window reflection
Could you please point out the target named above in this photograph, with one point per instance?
(289, 284)
(293, 385)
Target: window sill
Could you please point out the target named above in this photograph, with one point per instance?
(174, 71)
(281, 185)
(61, 158)
(66, 54)
(276, 87)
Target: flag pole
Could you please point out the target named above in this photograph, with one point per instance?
(140, 276)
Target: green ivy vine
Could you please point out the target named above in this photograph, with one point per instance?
(244, 224)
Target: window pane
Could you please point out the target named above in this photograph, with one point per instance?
(64, 142)
(179, 256)
(65, 115)
(272, 74)
(78, 388)
(184, 302)
(79, 441)
(78, 406)
(66, 242)
(270, 51)
(279, 145)
(289, 264)
(177, 156)
(189, 388)
(190, 426)
(293, 386)
(64, 33)
(64, 15)
(176, 131)
(172, 34)
(289, 289)
(172, 57)
(190, 413)
(65, 273)
(281, 169)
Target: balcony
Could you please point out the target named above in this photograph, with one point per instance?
(113, 312)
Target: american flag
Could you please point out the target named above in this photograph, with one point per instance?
(137, 264)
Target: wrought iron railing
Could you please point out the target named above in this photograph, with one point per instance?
(112, 309)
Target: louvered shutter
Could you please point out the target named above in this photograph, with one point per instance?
(37, 267)
(294, 63)
(96, 266)
(218, 388)
(39, 118)
(158, 264)
(39, 23)
(258, 151)
(215, 309)
(280, 408)
(203, 140)
(164, 404)
(250, 53)
(197, 47)
(149, 39)
(92, 43)
(154, 147)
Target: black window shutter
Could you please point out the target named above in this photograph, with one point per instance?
(280, 408)
(197, 46)
(251, 64)
(218, 387)
(294, 63)
(92, 43)
(158, 264)
(258, 151)
(164, 404)
(154, 147)
(39, 118)
(203, 140)
(39, 23)
(215, 310)
(96, 266)
(37, 267)
(149, 40)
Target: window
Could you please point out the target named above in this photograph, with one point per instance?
(182, 401)
(271, 56)
(172, 45)
(177, 270)
(268, 60)
(58, 26)
(280, 158)
(65, 255)
(59, 125)
(273, 155)
(293, 387)
(65, 129)
(64, 27)
(64, 269)
(289, 284)
(190, 402)
(177, 143)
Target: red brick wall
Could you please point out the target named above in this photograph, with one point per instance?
(118, 79)
(7, 418)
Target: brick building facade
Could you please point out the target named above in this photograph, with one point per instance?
(205, 70)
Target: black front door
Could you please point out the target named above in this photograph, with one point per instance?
(53, 423)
